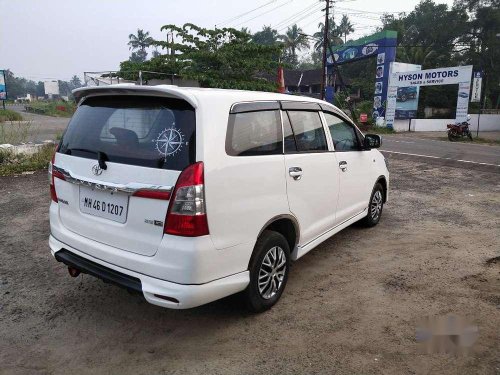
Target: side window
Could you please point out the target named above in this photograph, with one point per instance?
(308, 130)
(254, 133)
(343, 134)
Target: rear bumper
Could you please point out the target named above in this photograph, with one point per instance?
(187, 295)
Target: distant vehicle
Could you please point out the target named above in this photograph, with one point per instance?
(188, 195)
(463, 94)
(405, 93)
(459, 130)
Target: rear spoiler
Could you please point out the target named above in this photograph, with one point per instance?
(168, 91)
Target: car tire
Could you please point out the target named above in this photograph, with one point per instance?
(271, 256)
(375, 206)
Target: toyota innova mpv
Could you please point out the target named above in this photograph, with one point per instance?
(188, 195)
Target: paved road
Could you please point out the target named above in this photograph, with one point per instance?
(469, 155)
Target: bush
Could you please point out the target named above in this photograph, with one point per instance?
(15, 132)
(9, 115)
(12, 164)
(56, 109)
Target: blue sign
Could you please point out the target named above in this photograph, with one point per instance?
(381, 46)
(3, 88)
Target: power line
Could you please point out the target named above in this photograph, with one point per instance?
(259, 15)
(300, 19)
(296, 15)
(244, 14)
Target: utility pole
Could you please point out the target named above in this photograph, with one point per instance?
(325, 46)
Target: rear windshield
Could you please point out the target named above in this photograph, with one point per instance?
(138, 130)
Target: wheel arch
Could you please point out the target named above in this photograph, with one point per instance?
(383, 181)
(287, 225)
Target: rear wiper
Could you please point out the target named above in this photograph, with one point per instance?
(101, 156)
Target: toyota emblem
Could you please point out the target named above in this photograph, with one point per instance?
(97, 170)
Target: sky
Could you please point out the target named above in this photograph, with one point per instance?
(56, 39)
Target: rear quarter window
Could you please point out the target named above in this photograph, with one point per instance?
(254, 133)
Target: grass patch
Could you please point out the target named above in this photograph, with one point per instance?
(55, 109)
(14, 164)
(9, 115)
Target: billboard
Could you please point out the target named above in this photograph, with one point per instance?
(406, 97)
(3, 87)
(51, 87)
(431, 77)
(382, 47)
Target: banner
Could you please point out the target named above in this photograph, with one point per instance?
(3, 88)
(476, 87)
(406, 97)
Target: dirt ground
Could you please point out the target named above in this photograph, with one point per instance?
(351, 306)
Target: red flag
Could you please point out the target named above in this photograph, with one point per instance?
(281, 80)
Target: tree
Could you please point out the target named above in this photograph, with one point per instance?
(139, 42)
(294, 40)
(223, 58)
(75, 82)
(345, 27)
(333, 35)
(268, 36)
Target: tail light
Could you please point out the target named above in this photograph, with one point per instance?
(54, 174)
(186, 212)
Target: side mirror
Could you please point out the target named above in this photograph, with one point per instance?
(372, 141)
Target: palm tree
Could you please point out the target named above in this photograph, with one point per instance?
(267, 36)
(418, 55)
(345, 27)
(140, 42)
(333, 35)
(294, 40)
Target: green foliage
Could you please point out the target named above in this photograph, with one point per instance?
(333, 35)
(222, 58)
(345, 27)
(294, 40)
(12, 164)
(52, 108)
(267, 36)
(9, 115)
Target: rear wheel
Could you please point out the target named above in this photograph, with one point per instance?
(269, 268)
(452, 136)
(375, 206)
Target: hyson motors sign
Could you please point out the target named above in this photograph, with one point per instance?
(460, 75)
(430, 77)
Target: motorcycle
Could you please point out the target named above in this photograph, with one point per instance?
(460, 130)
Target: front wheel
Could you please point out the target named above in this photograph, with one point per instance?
(375, 206)
(269, 268)
(469, 135)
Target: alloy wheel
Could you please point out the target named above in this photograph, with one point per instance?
(272, 272)
(376, 205)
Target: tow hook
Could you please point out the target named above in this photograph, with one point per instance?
(73, 271)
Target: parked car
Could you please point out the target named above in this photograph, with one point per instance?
(188, 195)
(405, 93)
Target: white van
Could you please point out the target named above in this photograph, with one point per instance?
(188, 195)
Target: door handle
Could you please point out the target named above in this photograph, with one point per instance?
(343, 165)
(295, 173)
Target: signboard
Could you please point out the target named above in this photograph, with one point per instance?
(381, 46)
(51, 88)
(476, 87)
(432, 77)
(3, 87)
(406, 97)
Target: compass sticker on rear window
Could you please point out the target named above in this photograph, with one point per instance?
(169, 142)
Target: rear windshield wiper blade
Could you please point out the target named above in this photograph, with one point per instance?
(101, 156)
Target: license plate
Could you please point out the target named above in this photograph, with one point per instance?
(105, 204)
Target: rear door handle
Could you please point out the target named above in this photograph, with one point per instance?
(343, 165)
(295, 172)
